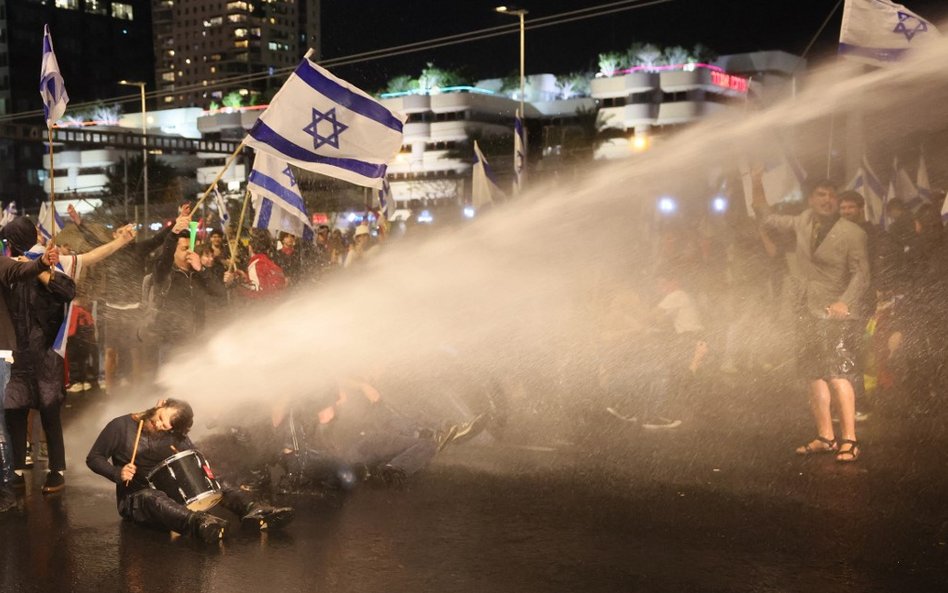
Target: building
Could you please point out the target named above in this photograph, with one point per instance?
(199, 43)
(97, 42)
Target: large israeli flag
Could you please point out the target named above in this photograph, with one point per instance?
(880, 32)
(484, 187)
(276, 197)
(520, 154)
(323, 124)
(52, 88)
(49, 222)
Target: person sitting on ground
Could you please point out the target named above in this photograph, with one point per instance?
(164, 431)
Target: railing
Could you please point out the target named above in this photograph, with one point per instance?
(117, 139)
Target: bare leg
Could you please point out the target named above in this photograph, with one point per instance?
(820, 408)
(846, 398)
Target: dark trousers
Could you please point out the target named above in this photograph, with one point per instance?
(17, 421)
(409, 454)
(154, 508)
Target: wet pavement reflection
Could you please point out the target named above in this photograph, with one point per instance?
(716, 505)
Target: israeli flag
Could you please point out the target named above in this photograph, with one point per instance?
(484, 188)
(905, 189)
(520, 153)
(386, 201)
(49, 222)
(276, 198)
(880, 32)
(323, 124)
(52, 88)
(868, 184)
(221, 210)
(922, 182)
(783, 177)
(9, 213)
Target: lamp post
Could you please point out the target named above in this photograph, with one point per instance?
(518, 12)
(141, 86)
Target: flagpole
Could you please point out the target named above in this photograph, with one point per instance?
(220, 174)
(52, 185)
(240, 227)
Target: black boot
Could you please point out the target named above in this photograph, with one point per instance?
(206, 527)
(263, 516)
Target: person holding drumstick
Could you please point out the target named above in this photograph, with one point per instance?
(131, 446)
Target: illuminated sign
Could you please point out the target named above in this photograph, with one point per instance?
(727, 81)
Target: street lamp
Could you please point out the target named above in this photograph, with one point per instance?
(518, 12)
(141, 86)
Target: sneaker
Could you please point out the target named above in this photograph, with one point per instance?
(661, 424)
(862, 416)
(620, 415)
(264, 517)
(470, 429)
(74, 388)
(54, 482)
(207, 528)
(86, 386)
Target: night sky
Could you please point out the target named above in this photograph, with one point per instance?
(725, 26)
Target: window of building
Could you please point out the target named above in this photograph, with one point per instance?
(97, 7)
(120, 10)
(613, 102)
(674, 97)
(169, 76)
(68, 4)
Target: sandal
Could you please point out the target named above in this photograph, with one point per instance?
(811, 449)
(847, 455)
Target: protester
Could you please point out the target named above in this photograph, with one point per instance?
(37, 378)
(164, 431)
(13, 273)
(831, 278)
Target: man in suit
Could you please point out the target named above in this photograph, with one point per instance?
(830, 281)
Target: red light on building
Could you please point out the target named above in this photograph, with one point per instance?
(728, 81)
(320, 218)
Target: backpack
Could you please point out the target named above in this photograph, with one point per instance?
(153, 297)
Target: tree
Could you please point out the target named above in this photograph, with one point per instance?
(678, 55)
(233, 100)
(400, 84)
(164, 186)
(572, 85)
(646, 55)
(610, 63)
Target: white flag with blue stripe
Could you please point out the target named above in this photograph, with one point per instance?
(870, 187)
(49, 222)
(52, 88)
(276, 196)
(323, 124)
(880, 32)
(221, 210)
(484, 187)
(922, 183)
(520, 154)
(9, 213)
(386, 201)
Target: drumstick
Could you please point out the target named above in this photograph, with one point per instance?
(135, 448)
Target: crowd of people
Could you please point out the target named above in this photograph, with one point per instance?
(143, 300)
(857, 308)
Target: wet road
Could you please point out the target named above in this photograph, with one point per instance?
(720, 504)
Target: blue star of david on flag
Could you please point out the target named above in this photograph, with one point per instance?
(337, 128)
(905, 26)
(289, 173)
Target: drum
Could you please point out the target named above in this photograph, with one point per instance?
(187, 478)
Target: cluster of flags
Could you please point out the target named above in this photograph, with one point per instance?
(900, 187)
(319, 123)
